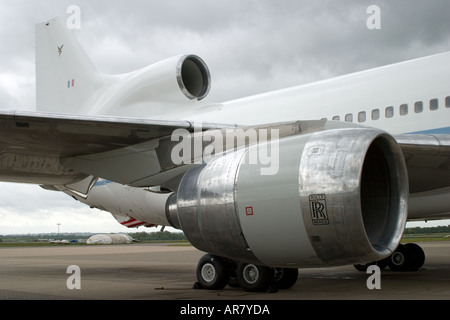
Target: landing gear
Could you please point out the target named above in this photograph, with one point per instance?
(215, 273)
(400, 259)
(284, 278)
(418, 256)
(254, 278)
(407, 257)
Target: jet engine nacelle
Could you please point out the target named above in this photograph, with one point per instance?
(163, 86)
(185, 76)
(339, 197)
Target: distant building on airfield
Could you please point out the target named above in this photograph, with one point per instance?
(110, 238)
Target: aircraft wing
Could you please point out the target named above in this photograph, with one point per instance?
(33, 145)
(51, 149)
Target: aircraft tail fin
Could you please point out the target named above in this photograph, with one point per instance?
(65, 76)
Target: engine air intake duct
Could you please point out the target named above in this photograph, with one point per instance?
(193, 77)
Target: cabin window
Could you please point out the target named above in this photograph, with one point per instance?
(362, 116)
(337, 118)
(349, 117)
(403, 109)
(418, 107)
(447, 102)
(375, 114)
(389, 112)
(434, 104)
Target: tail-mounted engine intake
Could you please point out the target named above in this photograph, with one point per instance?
(339, 197)
(167, 84)
(193, 77)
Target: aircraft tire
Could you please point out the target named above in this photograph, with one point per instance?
(285, 278)
(418, 256)
(401, 259)
(254, 278)
(213, 272)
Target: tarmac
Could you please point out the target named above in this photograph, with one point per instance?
(167, 272)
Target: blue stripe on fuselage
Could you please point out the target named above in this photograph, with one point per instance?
(101, 183)
(445, 130)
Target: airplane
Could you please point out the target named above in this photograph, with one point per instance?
(321, 174)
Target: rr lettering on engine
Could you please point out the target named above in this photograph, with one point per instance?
(318, 208)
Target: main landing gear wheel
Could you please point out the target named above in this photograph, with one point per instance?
(408, 257)
(418, 256)
(400, 259)
(213, 272)
(254, 278)
(284, 278)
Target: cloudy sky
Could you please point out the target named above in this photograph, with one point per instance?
(250, 46)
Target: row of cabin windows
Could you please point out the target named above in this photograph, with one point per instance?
(389, 111)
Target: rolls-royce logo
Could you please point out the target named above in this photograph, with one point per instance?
(318, 209)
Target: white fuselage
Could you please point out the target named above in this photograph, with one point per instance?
(398, 99)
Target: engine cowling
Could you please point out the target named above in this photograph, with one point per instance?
(339, 197)
(171, 80)
(169, 85)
